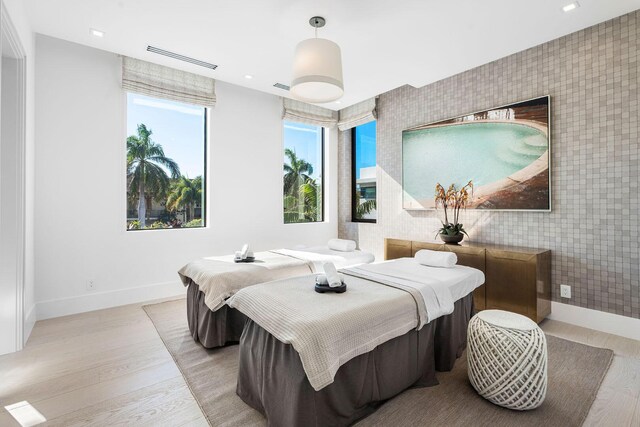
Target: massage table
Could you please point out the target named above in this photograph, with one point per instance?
(210, 281)
(310, 359)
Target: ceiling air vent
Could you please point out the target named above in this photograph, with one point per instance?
(281, 86)
(181, 57)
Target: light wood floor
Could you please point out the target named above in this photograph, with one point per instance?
(110, 367)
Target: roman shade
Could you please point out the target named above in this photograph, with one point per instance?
(301, 112)
(159, 81)
(358, 114)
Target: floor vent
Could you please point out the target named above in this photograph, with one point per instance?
(181, 57)
(281, 86)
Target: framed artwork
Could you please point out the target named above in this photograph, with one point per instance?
(504, 151)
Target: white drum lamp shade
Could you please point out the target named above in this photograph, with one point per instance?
(317, 71)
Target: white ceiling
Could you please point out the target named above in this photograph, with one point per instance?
(385, 43)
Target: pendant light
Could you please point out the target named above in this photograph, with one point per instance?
(317, 68)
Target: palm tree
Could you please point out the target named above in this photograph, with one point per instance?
(291, 213)
(145, 169)
(186, 193)
(311, 196)
(304, 205)
(365, 207)
(296, 172)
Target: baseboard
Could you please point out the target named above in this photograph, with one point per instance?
(29, 322)
(99, 300)
(615, 324)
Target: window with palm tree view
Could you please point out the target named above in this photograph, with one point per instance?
(303, 170)
(364, 173)
(166, 147)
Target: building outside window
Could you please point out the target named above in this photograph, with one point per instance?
(166, 164)
(303, 173)
(364, 183)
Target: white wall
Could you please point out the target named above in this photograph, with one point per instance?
(80, 186)
(9, 195)
(18, 16)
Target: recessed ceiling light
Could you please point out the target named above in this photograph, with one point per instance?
(571, 6)
(96, 33)
(248, 76)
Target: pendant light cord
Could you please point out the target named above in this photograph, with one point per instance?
(316, 22)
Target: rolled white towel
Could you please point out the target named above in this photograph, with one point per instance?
(321, 279)
(244, 252)
(436, 258)
(238, 254)
(342, 245)
(333, 278)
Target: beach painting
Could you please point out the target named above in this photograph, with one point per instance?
(505, 151)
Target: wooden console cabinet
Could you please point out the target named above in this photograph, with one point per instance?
(516, 279)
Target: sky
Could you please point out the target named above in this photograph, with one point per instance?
(178, 127)
(365, 146)
(305, 141)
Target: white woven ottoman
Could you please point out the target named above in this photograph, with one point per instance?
(507, 359)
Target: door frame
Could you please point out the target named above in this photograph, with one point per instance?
(9, 34)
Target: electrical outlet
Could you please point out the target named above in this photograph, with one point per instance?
(91, 285)
(565, 291)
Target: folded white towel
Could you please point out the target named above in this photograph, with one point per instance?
(321, 279)
(436, 258)
(342, 245)
(244, 251)
(333, 278)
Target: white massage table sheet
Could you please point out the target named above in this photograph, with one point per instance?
(318, 255)
(219, 277)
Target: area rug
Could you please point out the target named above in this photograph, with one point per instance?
(575, 374)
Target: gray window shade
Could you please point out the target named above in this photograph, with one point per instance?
(358, 114)
(302, 112)
(159, 81)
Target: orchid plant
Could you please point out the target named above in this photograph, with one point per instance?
(456, 200)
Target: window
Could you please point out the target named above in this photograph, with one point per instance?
(166, 164)
(363, 149)
(303, 173)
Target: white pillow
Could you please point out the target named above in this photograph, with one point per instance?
(342, 245)
(436, 258)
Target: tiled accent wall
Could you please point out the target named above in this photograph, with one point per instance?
(592, 77)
